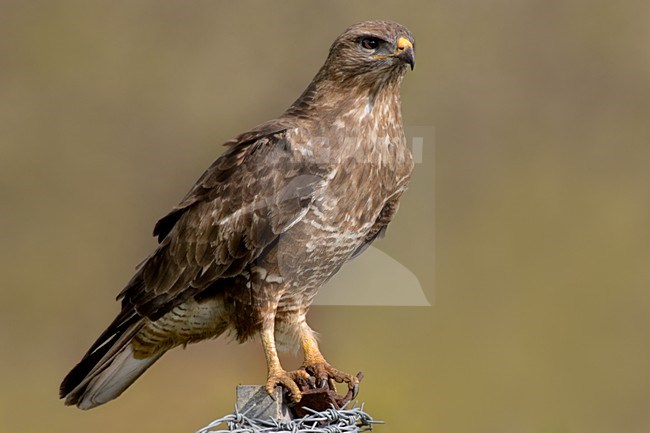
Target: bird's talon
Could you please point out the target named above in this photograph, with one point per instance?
(286, 380)
(324, 376)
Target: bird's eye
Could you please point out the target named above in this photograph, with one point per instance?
(370, 43)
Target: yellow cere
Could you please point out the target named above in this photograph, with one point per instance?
(403, 43)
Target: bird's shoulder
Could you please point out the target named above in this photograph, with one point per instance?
(265, 164)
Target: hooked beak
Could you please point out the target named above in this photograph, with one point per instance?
(405, 51)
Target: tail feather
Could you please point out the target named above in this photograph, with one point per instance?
(113, 363)
(105, 385)
(108, 368)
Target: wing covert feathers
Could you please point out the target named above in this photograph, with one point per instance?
(254, 192)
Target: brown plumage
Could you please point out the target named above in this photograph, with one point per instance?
(268, 223)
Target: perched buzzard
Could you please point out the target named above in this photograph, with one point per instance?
(270, 221)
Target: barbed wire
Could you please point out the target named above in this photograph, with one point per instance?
(352, 420)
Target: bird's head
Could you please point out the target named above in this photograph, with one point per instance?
(375, 48)
(368, 57)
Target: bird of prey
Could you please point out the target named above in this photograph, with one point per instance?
(269, 222)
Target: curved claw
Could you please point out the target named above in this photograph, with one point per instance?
(323, 381)
(355, 391)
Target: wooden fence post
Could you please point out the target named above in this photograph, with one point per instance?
(254, 401)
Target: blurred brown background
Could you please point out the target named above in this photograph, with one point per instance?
(110, 110)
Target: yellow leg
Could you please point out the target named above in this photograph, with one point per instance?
(310, 347)
(276, 374)
(270, 351)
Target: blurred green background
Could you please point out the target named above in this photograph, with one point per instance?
(534, 245)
